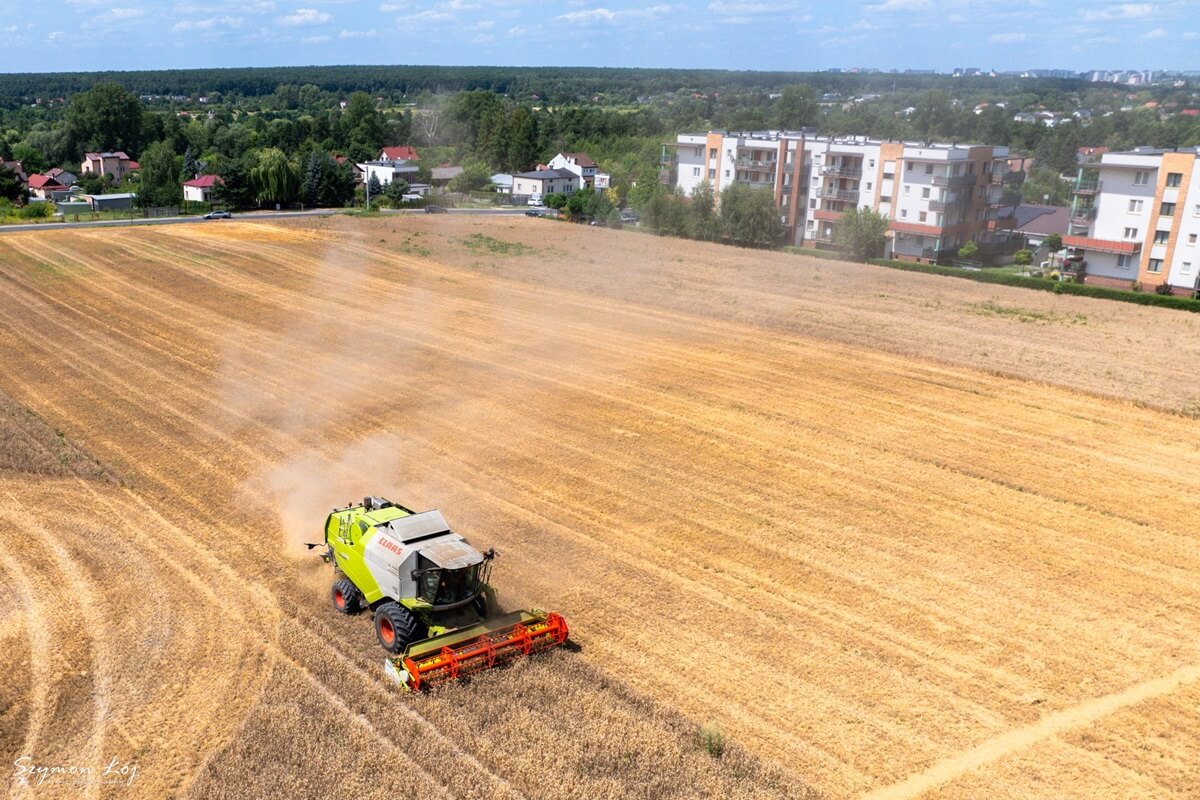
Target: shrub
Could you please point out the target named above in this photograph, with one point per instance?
(1163, 288)
(712, 740)
(1023, 258)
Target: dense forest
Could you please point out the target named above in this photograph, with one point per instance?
(284, 135)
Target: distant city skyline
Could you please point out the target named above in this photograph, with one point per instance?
(940, 35)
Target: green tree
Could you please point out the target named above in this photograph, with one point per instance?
(275, 178)
(575, 203)
(555, 200)
(10, 185)
(934, 114)
(395, 191)
(1023, 257)
(968, 250)
(363, 124)
(1054, 242)
(862, 233)
(703, 223)
(796, 107)
(160, 177)
(474, 177)
(105, 117)
(748, 217)
(236, 188)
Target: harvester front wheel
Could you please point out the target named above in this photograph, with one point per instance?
(346, 597)
(395, 627)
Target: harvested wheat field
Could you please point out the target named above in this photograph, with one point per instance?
(891, 535)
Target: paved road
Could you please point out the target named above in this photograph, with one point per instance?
(252, 216)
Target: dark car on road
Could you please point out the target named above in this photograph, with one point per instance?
(218, 215)
(434, 210)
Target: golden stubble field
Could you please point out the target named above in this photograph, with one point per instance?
(893, 535)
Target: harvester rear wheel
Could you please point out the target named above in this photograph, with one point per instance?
(346, 597)
(395, 627)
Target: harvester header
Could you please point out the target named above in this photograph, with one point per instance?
(429, 592)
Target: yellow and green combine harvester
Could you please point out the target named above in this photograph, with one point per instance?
(428, 590)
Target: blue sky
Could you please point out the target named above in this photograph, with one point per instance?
(67, 35)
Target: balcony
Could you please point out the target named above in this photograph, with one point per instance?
(842, 195)
(1103, 245)
(1083, 216)
(1004, 223)
(954, 203)
(1010, 178)
(1087, 187)
(954, 180)
(824, 237)
(843, 171)
(753, 163)
(827, 215)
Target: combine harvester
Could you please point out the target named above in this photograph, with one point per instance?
(428, 589)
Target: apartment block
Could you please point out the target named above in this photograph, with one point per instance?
(936, 196)
(1136, 217)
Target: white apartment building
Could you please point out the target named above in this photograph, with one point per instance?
(1139, 219)
(936, 196)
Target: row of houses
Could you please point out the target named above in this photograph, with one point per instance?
(566, 173)
(1135, 216)
(936, 196)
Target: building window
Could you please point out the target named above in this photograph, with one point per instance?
(904, 213)
(1155, 265)
(1174, 178)
(922, 216)
(1167, 210)
(712, 174)
(871, 163)
(929, 169)
(1192, 239)
(812, 203)
(909, 167)
(868, 186)
(1135, 206)
(1161, 237)
(1141, 178)
(1124, 262)
(1131, 233)
(906, 190)
(727, 174)
(695, 172)
(925, 193)
(1185, 267)
(712, 152)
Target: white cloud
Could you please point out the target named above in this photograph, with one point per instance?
(899, 5)
(206, 24)
(126, 13)
(597, 15)
(305, 16)
(1157, 33)
(390, 8)
(316, 39)
(1006, 38)
(1122, 11)
(358, 34)
(718, 7)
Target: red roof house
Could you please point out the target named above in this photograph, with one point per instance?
(402, 152)
(200, 188)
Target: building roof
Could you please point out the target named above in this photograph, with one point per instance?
(121, 154)
(546, 174)
(205, 181)
(1102, 245)
(1039, 220)
(404, 152)
(581, 159)
(37, 181)
(445, 173)
(502, 179)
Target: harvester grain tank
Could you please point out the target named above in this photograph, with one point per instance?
(429, 592)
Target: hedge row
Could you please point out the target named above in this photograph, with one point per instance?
(828, 255)
(1042, 284)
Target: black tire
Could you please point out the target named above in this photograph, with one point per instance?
(395, 627)
(480, 604)
(346, 597)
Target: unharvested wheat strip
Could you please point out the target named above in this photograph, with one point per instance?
(1019, 738)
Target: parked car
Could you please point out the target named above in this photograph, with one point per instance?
(218, 215)
(535, 200)
(434, 210)
(628, 216)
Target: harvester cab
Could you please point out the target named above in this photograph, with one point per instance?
(429, 591)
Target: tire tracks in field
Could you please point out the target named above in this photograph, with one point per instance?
(1017, 739)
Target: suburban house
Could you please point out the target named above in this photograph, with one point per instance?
(1135, 216)
(109, 202)
(1035, 222)
(402, 152)
(62, 176)
(359, 175)
(387, 171)
(42, 186)
(200, 189)
(19, 168)
(502, 182)
(440, 177)
(544, 182)
(936, 196)
(579, 163)
(115, 164)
